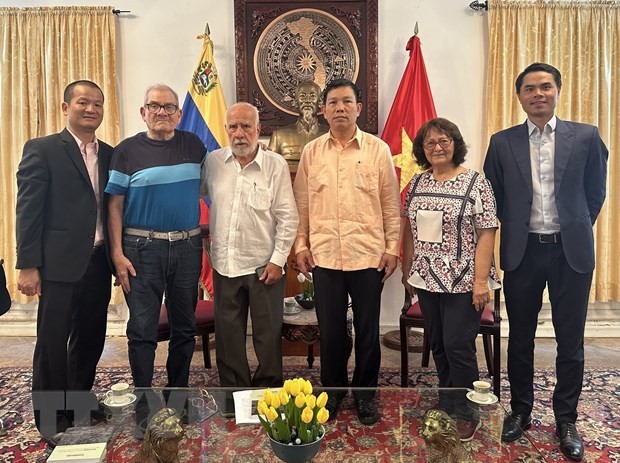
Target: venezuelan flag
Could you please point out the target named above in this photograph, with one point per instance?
(204, 109)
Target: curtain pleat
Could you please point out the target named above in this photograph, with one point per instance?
(581, 39)
(43, 50)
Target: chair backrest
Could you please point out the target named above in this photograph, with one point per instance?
(496, 304)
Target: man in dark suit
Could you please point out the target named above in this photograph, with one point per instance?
(61, 239)
(549, 179)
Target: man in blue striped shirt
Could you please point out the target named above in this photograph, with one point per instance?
(155, 239)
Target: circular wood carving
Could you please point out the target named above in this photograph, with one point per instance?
(391, 339)
(303, 45)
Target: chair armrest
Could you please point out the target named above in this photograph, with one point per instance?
(497, 304)
(407, 302)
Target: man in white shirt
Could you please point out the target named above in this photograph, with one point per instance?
(253, 223)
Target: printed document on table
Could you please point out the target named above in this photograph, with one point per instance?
(245, 405)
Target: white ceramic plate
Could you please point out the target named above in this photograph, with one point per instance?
(295, 311)
(129, 399)
(491, 399)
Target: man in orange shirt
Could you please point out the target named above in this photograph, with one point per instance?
(348, 236)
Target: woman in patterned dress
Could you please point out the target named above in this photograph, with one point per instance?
(448, 247)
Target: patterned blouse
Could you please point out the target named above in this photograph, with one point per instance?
(444, 217)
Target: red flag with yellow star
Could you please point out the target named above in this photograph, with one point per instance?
(413, 106)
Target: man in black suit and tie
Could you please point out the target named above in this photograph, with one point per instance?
(61, 239)
(549, 179)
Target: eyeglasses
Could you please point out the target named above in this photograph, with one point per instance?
(154, 108)
(442, 142)
(205, 406)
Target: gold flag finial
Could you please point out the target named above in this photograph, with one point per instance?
(206, 34)
(415, 29)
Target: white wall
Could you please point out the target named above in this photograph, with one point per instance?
(157, 43)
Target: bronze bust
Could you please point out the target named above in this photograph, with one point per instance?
(290, 140)
(442, 439)
(162, 438)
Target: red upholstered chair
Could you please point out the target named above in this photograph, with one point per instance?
(489, 327)
(205, 325)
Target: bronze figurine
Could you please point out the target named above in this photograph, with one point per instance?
(290, 140)
(442, 439)
(162, 438)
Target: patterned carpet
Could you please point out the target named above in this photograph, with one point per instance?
(599, 420)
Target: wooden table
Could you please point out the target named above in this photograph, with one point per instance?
(394, 438)
(303, 327)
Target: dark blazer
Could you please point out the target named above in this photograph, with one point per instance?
(580, 172)
(57, 208)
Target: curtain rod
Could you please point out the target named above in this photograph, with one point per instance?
(119, 12)
(478, 6)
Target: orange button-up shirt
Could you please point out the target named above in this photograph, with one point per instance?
(348, 202)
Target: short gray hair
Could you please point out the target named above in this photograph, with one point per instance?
(160, 87)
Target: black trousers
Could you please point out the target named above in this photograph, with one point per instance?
(71, 328)
(332, 289)
(451, 323)
(545, 264)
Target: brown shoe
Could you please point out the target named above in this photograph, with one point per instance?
(467, 429)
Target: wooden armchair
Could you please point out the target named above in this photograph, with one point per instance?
(205, 325)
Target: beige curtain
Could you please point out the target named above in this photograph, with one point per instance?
(43, 50)
(582, 40)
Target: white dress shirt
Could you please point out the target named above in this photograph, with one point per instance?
(253, 216)
(544, 216)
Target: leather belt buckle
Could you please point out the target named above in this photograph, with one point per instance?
(548, 239)
(178, 235)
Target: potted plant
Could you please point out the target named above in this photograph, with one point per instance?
(306, 298)
(293, 418)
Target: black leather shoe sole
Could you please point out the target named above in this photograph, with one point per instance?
(513, 428)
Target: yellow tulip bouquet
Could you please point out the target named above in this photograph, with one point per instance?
(293, 415)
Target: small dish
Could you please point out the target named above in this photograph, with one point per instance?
(129, 399)
(491, 400)
(295, 311)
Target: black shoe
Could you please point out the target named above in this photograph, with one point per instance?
(571, 444)
(52, 441)
(333, 403)
(367, 411)
(514, 425)
(140, 429)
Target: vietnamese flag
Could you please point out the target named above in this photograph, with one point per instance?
(413, 106)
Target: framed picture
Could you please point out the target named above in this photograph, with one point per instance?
(279, 44)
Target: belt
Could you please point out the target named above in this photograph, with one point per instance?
(168, 236)
(547, 238)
